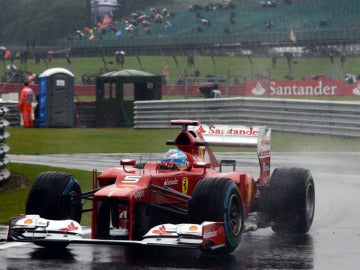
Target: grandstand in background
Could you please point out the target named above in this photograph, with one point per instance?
(242, 27)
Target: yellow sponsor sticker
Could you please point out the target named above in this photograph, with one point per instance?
(250, 190)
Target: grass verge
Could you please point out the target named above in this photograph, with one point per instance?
(129, 140)
(221, 66)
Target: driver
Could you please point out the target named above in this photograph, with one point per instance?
(175, 159)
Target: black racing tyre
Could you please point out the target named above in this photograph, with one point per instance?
(291, 200)
(219, 199)
(51, 197)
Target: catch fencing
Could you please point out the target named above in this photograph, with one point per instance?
(288, 115)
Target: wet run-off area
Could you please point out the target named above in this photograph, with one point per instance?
(332, 243)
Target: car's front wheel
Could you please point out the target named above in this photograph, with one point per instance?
(218, 199)
(51, 197)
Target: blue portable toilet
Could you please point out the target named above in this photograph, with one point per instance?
(56, 98)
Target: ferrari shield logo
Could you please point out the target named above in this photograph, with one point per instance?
(185, 185)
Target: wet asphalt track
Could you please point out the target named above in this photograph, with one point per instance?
(332, 243)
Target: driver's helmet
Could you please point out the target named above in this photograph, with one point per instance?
(177, 158)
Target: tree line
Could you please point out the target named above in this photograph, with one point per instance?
(40, 21)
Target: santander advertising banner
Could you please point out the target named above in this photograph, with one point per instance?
(299, 88)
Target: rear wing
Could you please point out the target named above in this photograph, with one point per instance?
(241, 136)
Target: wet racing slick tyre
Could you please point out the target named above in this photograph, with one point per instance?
(51, 197)
(291, 200)
(219, 199)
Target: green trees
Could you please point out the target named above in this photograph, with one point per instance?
(40, 21)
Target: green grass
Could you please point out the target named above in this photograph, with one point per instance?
(221, 66)
(129, 140)
(121, 140)
(89, 140)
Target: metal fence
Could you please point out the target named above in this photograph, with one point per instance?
(288, 115)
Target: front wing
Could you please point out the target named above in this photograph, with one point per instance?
(33, 228)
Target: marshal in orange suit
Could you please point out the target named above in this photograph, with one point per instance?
(25, 105)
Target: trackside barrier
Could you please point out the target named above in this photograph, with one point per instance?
(288, 115)
(4, 148)
(13, 114)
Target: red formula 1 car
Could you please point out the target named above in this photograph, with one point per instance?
(185, 199)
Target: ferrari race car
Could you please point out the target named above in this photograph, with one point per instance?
(187, 199)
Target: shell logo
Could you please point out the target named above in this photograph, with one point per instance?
(28, 221)
(193, 228)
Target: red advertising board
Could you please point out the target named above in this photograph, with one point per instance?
(301, 88)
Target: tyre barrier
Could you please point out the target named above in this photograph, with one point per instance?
(4, 148)
(13, 115)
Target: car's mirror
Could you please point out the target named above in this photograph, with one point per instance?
(131, 162)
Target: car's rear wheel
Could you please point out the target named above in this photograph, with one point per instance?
(218, 199)
(51, 197)
(290, 200)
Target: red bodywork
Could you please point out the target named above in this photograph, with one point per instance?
(168, 189)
